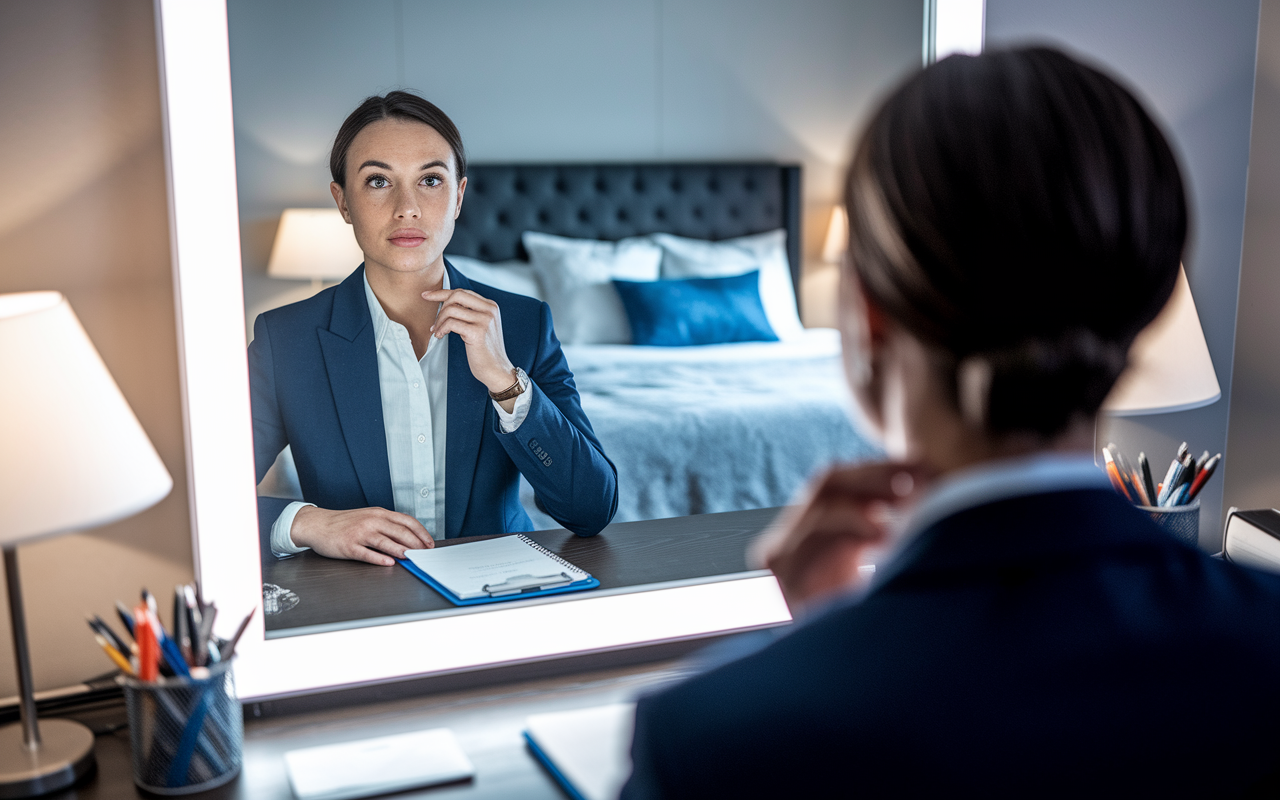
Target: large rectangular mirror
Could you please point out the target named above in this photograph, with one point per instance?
(583, 85)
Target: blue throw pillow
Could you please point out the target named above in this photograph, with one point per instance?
(676, 313)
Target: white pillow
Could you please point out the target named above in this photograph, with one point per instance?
(576, 275)
(767, 252)
(516, 276)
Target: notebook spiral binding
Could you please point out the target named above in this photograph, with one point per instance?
(573, 569)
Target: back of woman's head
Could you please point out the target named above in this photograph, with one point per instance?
(1020, 213)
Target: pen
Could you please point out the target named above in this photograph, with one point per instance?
(1205, 474)
(231, 643)
(1147, 481)
(148, 646)
(1182, 451)
(101, 628)
(1167, 486)
(181, 633)
(1179, 497)
(1113, 472)
(114, 654)
(1131, 478)
(126, 619)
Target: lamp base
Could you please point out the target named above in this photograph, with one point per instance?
(64, 756)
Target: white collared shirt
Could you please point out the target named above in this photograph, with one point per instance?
(989, 482)
(415, 394)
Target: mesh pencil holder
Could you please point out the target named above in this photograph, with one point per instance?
(1180, 522)
(186, 733)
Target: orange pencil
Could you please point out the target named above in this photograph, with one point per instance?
(148, 645)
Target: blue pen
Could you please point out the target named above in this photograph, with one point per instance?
(1180, 497)
(1170, 479)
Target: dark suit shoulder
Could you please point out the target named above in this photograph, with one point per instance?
(929, 675)
(314, 311)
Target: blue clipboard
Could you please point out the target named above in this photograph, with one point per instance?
(590, 582)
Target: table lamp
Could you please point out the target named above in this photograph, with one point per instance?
(314, 244)
(837, 236)
(1169, 364)
(72, 456)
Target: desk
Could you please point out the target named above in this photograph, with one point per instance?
(628, 556)
(488, 723)
(625, 557)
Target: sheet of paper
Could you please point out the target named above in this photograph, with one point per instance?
(377, 766)
(590, 747)
(465, 569)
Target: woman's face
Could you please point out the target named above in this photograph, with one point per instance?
(402, 195)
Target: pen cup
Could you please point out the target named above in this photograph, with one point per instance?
(186, 733)
(1180, 522)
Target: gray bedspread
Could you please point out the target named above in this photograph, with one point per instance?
(701, 430)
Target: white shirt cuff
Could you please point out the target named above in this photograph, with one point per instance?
(281, 542)
(509, 422)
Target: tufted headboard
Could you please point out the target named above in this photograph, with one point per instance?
(614, 201)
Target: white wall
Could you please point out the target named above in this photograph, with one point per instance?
(1253, 474)
(84, 212)
(563, 80)
(1192, 63)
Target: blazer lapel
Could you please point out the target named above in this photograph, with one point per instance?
(351, 360)
(468, 403)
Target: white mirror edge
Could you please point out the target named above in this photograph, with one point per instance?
(205, 240)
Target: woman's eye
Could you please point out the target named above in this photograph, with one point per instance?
(432, 180)
(379, 182)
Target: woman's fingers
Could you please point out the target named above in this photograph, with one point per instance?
(814, 550)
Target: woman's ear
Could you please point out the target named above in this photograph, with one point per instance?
(462, 188)
(340, 198)
(864, 333)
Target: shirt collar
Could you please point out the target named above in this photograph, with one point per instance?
(382, 324)
(1001, 480)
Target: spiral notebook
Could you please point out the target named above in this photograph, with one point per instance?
(494, 570)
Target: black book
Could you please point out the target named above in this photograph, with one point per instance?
(1252, 538)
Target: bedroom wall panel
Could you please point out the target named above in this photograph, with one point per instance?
(559, 81)
(84, 212)
(1193, 64)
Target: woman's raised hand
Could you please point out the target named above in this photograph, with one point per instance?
(479, 322)
(814, 549)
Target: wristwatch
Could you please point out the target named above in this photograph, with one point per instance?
(514, 390)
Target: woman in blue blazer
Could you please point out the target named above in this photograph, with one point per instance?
(1016, 218)
(413, 399)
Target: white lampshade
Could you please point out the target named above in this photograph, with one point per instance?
(72, 454)
(1169, 364)
(837, 236)
(314, 244)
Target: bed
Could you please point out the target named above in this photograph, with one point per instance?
(692, 430)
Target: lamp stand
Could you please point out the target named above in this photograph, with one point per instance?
(35, 761)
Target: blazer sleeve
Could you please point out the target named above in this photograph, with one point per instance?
(268, 426)
(555, 448)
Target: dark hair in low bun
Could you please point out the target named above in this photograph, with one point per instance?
(1019, 211)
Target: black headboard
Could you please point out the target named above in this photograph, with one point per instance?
(614, 201)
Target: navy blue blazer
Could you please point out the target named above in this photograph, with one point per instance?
(313, 378)
(1050, 645)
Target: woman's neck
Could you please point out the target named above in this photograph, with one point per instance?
(922, 425)
(400, 293)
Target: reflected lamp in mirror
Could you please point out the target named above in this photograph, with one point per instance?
(72, 456)
(313, 244)
(1169, 364)
(837, 236)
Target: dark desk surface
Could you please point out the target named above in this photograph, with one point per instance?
(624, 557)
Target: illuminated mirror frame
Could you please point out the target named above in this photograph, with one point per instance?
(205, 236)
